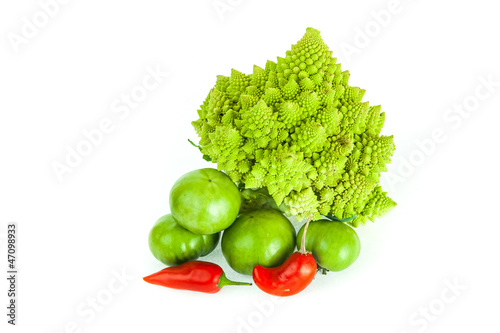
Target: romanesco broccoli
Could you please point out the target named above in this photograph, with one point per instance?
(295, 136)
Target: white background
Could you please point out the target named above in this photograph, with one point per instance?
(76, 234)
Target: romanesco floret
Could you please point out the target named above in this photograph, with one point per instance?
(297, 134)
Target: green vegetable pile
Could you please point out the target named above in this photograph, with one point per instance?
(291, 138)
(296, 137)
(205, 203)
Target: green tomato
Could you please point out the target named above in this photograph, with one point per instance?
(334, 245)
(173, 245)
(205, 201)
(262, 237)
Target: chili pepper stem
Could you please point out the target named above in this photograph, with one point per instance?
(303, 244)
(224, 281)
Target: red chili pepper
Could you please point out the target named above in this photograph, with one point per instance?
(202, 276)
(291, 277)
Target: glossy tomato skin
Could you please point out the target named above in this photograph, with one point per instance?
(288, 279)
(173, 245)
(205, 201)
(263, 237)
(335, 245)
